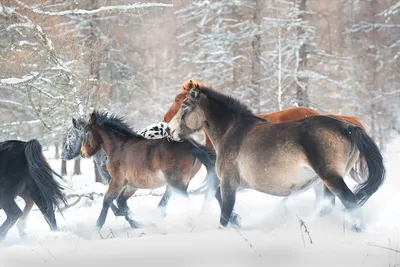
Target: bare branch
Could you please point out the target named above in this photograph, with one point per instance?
(84, 12)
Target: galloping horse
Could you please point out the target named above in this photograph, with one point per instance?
(25, 172)
(135, 162)
(290, 114)
(74, 139)
(278, 158)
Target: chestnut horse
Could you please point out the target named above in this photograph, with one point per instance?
(278, 158)
(135, 162)
(290, 114)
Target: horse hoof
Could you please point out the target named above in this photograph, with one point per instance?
(325, 211)
(134, 224)
(162, 212)
(23, 235)
(358, 228)
(98, 227)
(235, 220)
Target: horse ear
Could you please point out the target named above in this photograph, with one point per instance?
(74, 123)
(195, 92)
(92, 119)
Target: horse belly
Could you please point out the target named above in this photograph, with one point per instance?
(148, 180)
(281, 177)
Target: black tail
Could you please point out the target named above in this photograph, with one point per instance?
(374, 161)
(42, 175)
(208, 158)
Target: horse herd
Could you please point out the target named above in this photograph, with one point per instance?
(280, 153)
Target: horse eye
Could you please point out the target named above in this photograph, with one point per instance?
(176, 100)
(184, 107)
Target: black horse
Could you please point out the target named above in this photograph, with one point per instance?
(25, 172)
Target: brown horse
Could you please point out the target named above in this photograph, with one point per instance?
(136, 162)
(290, 114)
(278, 158)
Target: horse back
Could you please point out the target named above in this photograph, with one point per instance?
(290, 114)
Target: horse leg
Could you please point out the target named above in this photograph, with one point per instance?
(114, 189)
(228, 190)
(164, 201)
(182, 190)
(212, 185)
(326, 197)
(338, 187)
(21, 225)
(13, 213)
(235, 218)
(123, 205)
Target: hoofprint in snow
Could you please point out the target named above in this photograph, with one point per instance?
(187, 237)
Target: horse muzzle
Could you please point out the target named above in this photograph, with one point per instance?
(174, 135)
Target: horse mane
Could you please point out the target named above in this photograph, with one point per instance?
(188, 85)
(115, 124)
(229, 102)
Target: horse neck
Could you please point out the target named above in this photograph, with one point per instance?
(109, 142)
(217, 126)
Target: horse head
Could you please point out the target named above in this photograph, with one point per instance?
(73, 142)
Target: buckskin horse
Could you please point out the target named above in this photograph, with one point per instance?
(323, 194)
(278, 158)
(25, 172)
(135, 162)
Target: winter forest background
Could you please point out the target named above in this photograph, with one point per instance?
(61, 58)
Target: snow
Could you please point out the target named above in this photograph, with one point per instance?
(187, 237)
(24, 79)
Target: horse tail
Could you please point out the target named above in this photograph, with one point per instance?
(374, 163)
(208, 158)
(42, 175)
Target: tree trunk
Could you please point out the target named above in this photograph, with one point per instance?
(57, 153)
(77, 166)
(256, 58)
(63, 162)
(63, 167)
(302, 83)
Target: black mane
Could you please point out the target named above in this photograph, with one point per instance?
(115, 124)
(228, 102)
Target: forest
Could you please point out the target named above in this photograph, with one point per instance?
(61, 59)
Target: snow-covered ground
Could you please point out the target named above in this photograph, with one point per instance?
(188, 238)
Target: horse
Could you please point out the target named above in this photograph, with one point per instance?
(278, 158)
(135, 162)
(323, 194)
(74, 139)
(25, 172)
(73, 142)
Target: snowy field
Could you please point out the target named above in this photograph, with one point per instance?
(269, 237)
